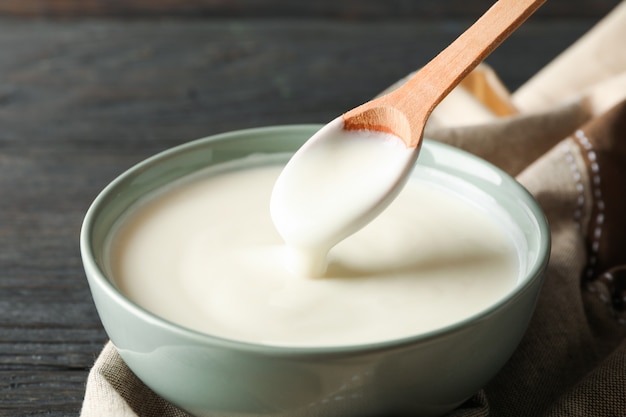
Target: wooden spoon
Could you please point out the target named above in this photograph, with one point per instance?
(404, 112)
(339, 180)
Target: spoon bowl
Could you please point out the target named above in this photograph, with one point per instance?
(313, 212)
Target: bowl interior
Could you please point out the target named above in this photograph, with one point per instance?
(470, 175)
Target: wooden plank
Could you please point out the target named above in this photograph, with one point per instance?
(54, 393)
(284, 8)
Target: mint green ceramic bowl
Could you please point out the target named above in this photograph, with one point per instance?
(424, 375)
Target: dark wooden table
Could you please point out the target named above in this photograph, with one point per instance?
(84, 98)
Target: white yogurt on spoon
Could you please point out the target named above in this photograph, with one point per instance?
(334, 185)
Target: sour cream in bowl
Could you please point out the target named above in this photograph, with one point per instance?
(413, 314)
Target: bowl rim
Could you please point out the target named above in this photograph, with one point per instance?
(96, 276)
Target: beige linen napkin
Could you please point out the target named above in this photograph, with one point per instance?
(563, 135)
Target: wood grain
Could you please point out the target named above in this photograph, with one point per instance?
(82, 100)
(347, 9)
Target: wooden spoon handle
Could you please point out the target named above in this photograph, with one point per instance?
(424, 91)
(435, 80)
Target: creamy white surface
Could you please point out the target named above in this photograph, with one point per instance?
(206, 255)
(333, 186)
